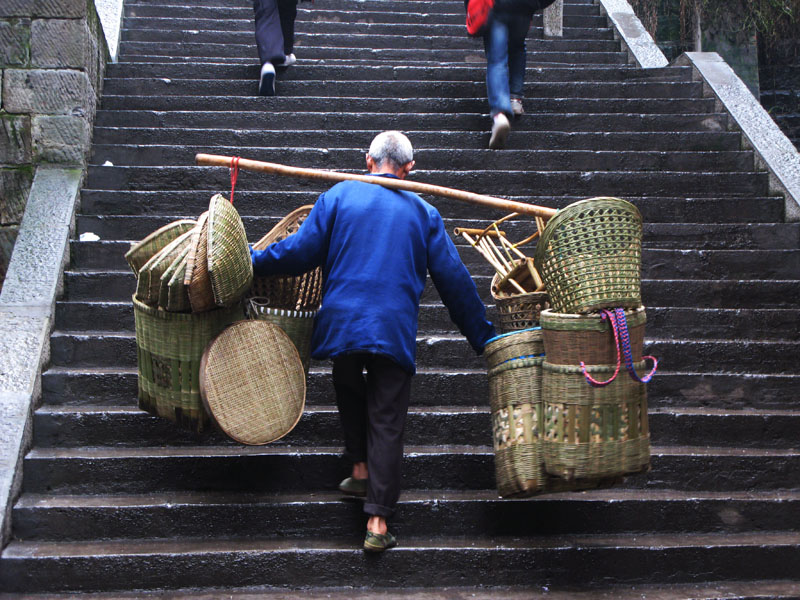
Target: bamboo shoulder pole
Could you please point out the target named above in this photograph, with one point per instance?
(399, 184)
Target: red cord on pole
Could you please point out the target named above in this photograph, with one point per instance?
(234, 169)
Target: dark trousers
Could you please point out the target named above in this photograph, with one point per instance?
(373, 408)
(274, 29)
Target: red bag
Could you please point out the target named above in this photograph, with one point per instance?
(477, 15)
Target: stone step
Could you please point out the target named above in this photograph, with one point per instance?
(268, 516)
(671, 323)
(381, 5)
(617, 183)
(654, 209)
(739, 294)
(173, 124)
(656, 263)
(44, 566)
(386, 35)
(392, 88)
(449, 351)
(77, 386)
(557, 160)
(714, 236)
(450, 72)
(447, 12)
(321, 55)
(547, 139)
(111, 102)
(241, 19)
(363, 46)
(276, 468)
(93, 426)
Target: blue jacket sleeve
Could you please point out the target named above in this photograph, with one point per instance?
(300, 252)
(456, 288)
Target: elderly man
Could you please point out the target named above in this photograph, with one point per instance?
(376, 246)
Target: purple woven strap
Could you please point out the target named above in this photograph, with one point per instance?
(606, 314)
(625, 341)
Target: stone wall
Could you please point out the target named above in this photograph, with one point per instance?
(52, 62)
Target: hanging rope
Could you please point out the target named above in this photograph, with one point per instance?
(234, 169)
(619, 326)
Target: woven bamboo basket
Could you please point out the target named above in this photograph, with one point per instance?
(298, 325)
(177, 291)
(252, 382)
(169, 275)
(288, 292)
(570, 339)
(516, 312)
(594, 432)
(148, 285)
(197, 279)
(143, 251)
(517, 344)
(229, 265)
(169, 347)
(515, 388)
(589, 256)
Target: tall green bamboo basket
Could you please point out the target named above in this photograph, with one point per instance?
(515, 395)
(297, 324)
(594, 432)
(590, 254)
(526, 343)
(570, 339)
(169, 347)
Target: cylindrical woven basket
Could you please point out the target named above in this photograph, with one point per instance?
(298, 325)
(169, 347)
(143, 251)
(589, 256)
(570, 339)
(594, 432)
(515, 390)
(516, 312)
(517, 344)
(289, 292)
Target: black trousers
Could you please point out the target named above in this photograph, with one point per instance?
(274, 29)
(373, 408)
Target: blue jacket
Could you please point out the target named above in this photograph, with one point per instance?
(375, 246)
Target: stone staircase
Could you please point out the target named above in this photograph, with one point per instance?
(115, 500)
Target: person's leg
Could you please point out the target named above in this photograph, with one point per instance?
(518, 31)
(351, 400)
(388, 394)
(288, 13)
(497, 74)
(269, 36)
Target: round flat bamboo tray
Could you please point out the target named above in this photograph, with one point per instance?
(196, 278)
(252, 382)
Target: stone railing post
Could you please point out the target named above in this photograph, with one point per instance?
(554, 19)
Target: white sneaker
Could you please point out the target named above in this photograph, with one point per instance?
(289, 60)
(516, 107)
(500, 129)
(266, 83)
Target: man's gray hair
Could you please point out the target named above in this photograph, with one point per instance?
(391, 146)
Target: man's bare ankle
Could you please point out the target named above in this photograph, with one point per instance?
(359, 470)
(377, 524)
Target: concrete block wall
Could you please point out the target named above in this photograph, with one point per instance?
(52, 61)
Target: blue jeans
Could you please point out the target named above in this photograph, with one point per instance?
(504, 42)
